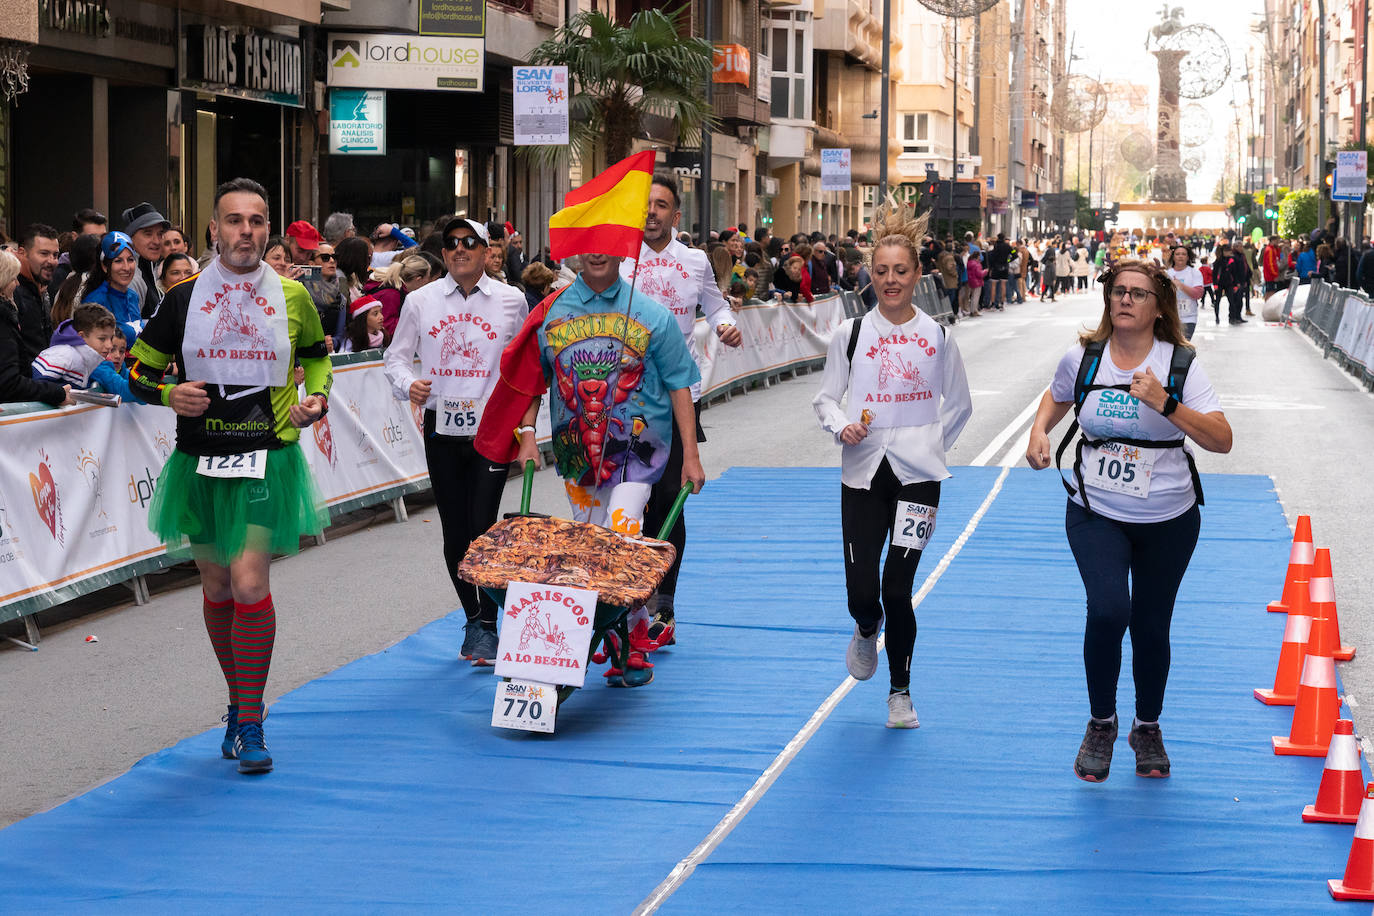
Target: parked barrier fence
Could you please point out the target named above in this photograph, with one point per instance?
(1341, 322)
(75, 484)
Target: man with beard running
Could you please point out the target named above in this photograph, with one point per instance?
(680, 279)
(236, 487)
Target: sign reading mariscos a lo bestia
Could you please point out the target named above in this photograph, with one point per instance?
(406, 62)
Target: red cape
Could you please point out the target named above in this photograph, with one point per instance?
(521, 382)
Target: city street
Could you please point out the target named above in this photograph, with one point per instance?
(80, 713)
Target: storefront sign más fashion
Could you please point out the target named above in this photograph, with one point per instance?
(406, 62)
(244, 62)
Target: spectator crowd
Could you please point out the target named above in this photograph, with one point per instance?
(72, 302)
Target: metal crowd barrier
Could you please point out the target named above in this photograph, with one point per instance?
(931, 299)
(1341, 322)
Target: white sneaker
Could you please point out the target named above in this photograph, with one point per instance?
(861, 658)
(899, 712)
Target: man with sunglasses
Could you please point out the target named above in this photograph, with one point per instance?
(457, 327)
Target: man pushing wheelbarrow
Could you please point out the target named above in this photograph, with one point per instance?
(621, 375)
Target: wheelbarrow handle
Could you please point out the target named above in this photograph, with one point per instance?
(527, 488)
(674, 512)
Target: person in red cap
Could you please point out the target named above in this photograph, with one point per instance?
(302, 238)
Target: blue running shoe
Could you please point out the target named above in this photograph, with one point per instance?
(231, 730)
(252, 749)
(471, 631)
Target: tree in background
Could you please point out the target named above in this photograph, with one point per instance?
(1298, 214)
(620, 74)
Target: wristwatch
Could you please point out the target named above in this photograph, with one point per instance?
(1170, 405)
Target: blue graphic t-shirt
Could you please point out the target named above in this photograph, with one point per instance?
(610, 378)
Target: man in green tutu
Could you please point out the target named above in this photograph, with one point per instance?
(236, 489)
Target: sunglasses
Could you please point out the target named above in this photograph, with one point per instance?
(324, 257)
(469, 242)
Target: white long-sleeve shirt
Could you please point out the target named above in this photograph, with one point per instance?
(915, 453)
(491, 308)
(680, 279)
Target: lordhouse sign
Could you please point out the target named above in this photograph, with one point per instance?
(406, 62)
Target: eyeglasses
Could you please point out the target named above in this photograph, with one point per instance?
(451, 242)
(1138, 294)
(322, 256)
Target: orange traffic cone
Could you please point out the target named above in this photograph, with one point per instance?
(1358, 883)
(1342, 785)
(1299, 564)
(1322, 591)
(1296, 635)
(1318, 706)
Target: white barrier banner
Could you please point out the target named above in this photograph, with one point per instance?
(369, 441)
(776, 336)
(74, 491)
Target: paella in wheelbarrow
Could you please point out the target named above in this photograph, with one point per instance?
(558, 561)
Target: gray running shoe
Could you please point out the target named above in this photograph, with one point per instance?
(1095, 753)
(861, 658)
(899, 711)
(1148, 744)
(484, 647)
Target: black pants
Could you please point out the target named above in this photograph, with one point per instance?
(866, 518)
(1233, 302)
(661, 499)
(467, 495)
(1131, 573)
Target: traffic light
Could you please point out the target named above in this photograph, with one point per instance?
(1242, 218)
(1270, 213)
(1328, 176)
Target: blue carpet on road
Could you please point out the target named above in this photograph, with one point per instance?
(392, 789)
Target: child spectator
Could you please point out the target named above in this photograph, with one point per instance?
(118, 351)
(366, 326)
(80, 351)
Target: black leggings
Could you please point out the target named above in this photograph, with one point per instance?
(1131, 572)
(866, 518)
(467, 495)
(661, 499)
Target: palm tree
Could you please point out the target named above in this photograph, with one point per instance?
(621, 73)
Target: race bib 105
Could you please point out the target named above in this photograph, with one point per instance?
(1119, 468)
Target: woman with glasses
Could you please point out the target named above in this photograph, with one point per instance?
(1132, 518)
(457, 327)
(325, 290)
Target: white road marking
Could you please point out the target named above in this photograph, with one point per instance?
(1000, 440)
(684, 868)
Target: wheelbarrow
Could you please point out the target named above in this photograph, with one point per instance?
(624, 571)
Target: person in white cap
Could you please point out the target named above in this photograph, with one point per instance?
(457, 327)
(680, 279)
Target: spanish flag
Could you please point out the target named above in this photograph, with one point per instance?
(605, 215)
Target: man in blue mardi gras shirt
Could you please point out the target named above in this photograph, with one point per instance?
(620, 378)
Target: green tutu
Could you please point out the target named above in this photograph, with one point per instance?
(221, 518)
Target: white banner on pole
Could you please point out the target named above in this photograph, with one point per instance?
(835, 170)
(1352, 175)
(540, 106)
